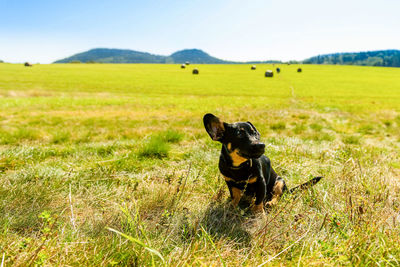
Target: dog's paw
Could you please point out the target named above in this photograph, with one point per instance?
(233, 204)
(257, 209)
(271, 203)
(259, 213)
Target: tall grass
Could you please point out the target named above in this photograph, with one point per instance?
(110, 165)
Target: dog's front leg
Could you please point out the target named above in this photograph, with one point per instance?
(277, 191)
(236, 195)
(260, 195)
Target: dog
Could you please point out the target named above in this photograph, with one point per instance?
(245, 168)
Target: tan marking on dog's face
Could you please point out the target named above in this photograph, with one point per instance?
(236, 159)
(252, 180)
(229, 146)
(237, 194)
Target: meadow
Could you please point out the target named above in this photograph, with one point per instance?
(108, 165)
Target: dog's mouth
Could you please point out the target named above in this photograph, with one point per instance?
(251, 152)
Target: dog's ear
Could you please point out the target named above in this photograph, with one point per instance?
(254, 127)
(214, 127)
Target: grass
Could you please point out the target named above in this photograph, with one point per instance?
(155, 147)
(110, 165)
(278, 126)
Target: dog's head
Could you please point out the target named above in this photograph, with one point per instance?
(240, 138)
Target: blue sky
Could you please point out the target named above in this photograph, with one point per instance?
(44, 31)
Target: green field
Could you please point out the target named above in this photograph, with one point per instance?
(110, 165)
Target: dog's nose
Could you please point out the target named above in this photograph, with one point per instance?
(259, 147)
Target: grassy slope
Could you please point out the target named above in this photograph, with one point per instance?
(87, 147)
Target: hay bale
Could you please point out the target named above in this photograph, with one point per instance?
(27, 64)
(195, 71)
(299, 70)
(278, 70)
(187, 63)
(253, 67)
(269, 73)
(183, 66)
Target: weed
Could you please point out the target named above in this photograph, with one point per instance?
(60, 137)
(155, 147)
(171, 136)
(278, 126)
(387, 123)
(366, 129)
(316, 127)
(352, 139)
(299, 128)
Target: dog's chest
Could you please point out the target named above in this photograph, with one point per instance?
(237, 174)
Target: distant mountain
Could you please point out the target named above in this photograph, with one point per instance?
(386, 58)
(105, 55)
(195, 56)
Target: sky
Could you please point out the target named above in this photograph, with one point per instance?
(42, 31)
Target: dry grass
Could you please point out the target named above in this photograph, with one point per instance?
(77, 189)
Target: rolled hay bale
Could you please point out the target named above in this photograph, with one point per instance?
(27, 64)
(195, 71)
(299, 70)
(278, 70)
(183, 66)
(269, 73)
(253, 67)
(187, 63)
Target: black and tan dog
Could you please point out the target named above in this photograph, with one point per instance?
(243, 164)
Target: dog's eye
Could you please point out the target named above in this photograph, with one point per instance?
(240, 132)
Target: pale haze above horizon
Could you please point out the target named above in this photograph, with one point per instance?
(44, 31)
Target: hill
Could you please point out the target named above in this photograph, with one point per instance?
(195, 56)
(386, 58)
(106, 55)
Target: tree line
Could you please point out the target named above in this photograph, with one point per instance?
(384, 58)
